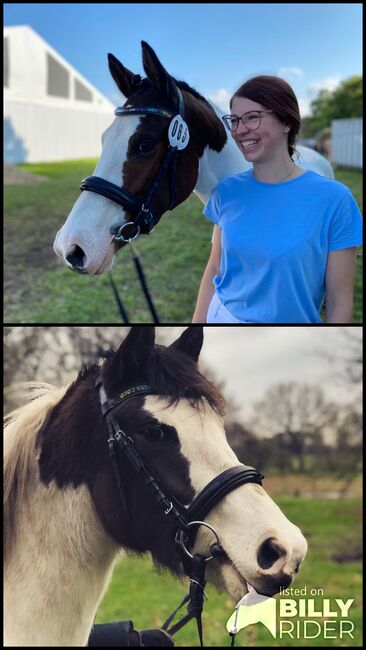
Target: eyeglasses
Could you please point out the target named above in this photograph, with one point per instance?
(251, 120)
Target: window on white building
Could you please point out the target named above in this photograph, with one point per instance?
(57, 78)
(82, 92)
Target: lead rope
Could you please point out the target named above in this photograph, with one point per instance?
(169, 161)
(194, 598)
(119, 302)
(170, 158)
(141, 276)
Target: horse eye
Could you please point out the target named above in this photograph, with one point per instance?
(146, 146)
(153, 433)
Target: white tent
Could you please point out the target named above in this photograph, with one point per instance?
(51, 112)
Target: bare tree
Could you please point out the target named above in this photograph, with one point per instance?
(299, 413)
(56, 354)
(343, 351)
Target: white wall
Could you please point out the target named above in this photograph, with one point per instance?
(38, 126)
(347, 142)
(37, 133)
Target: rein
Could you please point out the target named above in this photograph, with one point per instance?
(141, 276)
(187, 520)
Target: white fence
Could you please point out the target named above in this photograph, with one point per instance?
(347, 142)
(44, 133)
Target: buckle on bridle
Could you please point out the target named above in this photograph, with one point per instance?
(119, 236)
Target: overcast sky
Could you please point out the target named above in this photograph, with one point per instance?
(251, 359)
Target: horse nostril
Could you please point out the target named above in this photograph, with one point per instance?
(269, 552)
(76, 258)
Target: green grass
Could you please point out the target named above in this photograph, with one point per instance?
(40, 289)
(139, 593)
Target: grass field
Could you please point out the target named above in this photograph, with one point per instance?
(39, 289)
(332, 529)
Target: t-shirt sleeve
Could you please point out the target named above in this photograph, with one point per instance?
(212, 207)
(346, 225)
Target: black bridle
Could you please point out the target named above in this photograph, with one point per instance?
(187, 519)
(145, 216)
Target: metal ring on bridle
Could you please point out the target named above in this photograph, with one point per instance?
(180, 540)
(119, 236)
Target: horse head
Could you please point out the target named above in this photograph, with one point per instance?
(143, 171)
(174, 418)
(78, 494)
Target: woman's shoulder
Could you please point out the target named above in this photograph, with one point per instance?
(329, 185)
(234, 180)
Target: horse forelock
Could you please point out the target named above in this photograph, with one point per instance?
(177, 376)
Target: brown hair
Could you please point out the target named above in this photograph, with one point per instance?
(275, 94)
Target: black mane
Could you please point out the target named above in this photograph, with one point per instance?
(182, 85)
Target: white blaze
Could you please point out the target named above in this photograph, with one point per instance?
(89, 222)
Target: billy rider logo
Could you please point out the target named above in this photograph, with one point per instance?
(303, 618)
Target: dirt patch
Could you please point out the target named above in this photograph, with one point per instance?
(15, 176)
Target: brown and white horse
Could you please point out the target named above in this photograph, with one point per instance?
(134, 147)
(64, 526)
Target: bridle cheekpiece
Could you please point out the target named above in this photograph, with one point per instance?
(187, 519)
(143, 211)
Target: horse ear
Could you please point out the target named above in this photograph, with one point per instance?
(157, 74)
(126, 80)
(190, 342)
(131, 355)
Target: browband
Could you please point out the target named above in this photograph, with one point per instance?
(110, 403)
(142, 110)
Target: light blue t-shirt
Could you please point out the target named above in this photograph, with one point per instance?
(275, 239)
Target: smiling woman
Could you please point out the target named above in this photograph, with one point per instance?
(285, 238)
(166, 141)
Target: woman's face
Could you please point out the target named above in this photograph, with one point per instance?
(265, 142)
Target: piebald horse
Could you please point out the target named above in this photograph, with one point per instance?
(133, 150)
(64, 525)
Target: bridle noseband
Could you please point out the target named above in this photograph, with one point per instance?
(145, 217)
(187, 519)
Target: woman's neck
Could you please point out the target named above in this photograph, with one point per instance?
(276, 169)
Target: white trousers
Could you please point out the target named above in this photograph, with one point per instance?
(217, 312)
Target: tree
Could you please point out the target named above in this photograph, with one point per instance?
(343, 102)
(299, 413)
(56, 354)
